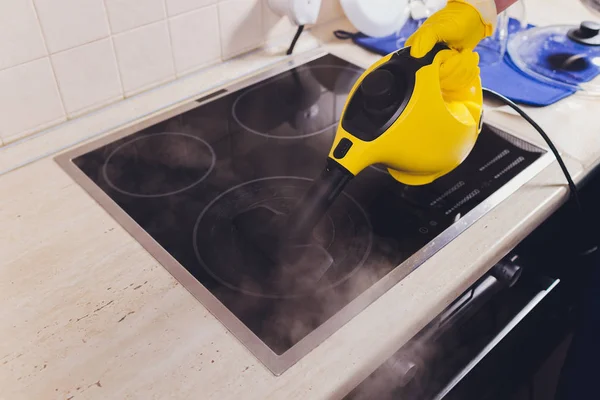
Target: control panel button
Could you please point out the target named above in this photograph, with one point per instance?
(342, 148)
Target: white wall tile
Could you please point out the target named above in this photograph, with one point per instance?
(274, 25)
(124, 15)
(29, 99)
(175, 7)
(87, 76)
(144, 57)
(195, 39)
(20, 35)
(241, 26)
(93, 69)
(71, 23)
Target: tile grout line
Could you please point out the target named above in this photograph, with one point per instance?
(37, 18)
(111, 36)
(44, 39)
(220, 30)
(50, 53)
(171, 48)
(216, 5)
(263, 36)
(108, 21)
(24, 62)
(56, 53)
(259, 44)
(116, 60)
(136, 27)
(97, 105)
(218, 59)
(263, 22)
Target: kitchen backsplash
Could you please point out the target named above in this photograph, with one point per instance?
(60, 59)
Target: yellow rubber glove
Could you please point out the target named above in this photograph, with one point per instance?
(458, 70)
(459, 24)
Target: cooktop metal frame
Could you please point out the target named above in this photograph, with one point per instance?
(277, 364)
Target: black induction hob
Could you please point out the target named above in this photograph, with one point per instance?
(176, 183)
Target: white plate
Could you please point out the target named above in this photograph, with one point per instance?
(376, 18)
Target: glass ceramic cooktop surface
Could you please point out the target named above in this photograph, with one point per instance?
(182, 181)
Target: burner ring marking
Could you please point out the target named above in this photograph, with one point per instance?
(307, 135)
(367, 250)
(126, 192)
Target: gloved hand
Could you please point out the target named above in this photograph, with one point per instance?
(458, 70)
(461, 24)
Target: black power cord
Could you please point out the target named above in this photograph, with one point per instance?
(572, 187)
(574, 192)
(295, 40)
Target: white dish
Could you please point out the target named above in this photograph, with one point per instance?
(376, 18)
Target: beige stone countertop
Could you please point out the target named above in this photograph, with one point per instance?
(87, 313)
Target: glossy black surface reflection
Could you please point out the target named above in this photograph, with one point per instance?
(186, 179)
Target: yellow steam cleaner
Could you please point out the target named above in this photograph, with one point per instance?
(396, 115)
